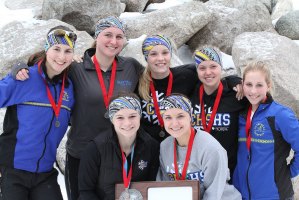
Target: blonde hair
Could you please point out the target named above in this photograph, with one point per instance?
(264, 69)
(144, 84)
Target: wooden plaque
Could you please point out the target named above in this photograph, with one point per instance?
(143, 187)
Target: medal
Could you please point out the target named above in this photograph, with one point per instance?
(106, 96)
(155, 100)
(162, 134)
(125, 195)
(56, 107)
(208, 127)
(57, 123)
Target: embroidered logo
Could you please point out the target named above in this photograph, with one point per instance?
(142, 164)
(259, 129)
(65, 96)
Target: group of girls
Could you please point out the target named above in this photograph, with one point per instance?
(107, 144)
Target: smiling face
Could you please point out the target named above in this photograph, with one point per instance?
(177, 123)
(159, 61)
(255, 88)
(126, 123)
(209, 73)
(110, 41)
(59, 57)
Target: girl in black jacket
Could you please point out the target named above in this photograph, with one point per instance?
(127, 149)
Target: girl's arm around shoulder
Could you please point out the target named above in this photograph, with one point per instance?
(89, 173)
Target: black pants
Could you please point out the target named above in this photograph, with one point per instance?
(22, 185)
(71, 177)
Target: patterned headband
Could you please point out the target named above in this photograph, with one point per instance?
(176, 101)
(108, 22)
(207, 53)
(60, 36)
(154, 40)
(122, 103)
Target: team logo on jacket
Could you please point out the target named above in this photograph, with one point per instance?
(259, 129)
(65, 96)
(142, 164)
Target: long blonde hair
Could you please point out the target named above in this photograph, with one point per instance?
(144, 84)
(264, 69)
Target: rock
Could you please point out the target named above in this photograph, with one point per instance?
(134, 49)
(18, 47)
(282, 7)
(135, 6)
(2, 114)
(23, 4)
(61, 154)
(288, 25)
(230, 19)
(178, 22)
(275, 51)
(82, 14)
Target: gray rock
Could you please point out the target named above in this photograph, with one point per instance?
(61, 154)
(231, 18)
(134, 5)
(288, 25)
(178, 22)
(282, 7)
(275, 51)
(82, 14)
(18, 41)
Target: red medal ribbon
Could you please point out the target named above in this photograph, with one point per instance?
(126, 179)
(247, 128)
(56, 107)
(154, 96)
(101, 80)
(189, 149)
(215, 107)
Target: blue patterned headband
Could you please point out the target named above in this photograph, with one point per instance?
(108, 22)
(154, 40)
(207, 53)
(176, 101)
(60, 36)
(122, 103)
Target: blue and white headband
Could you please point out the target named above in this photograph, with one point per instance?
(176, 101)
(108, 22)
(154, 40)
(207, 53)
(60, 36)
(124, 102)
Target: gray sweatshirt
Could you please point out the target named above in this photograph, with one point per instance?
(208, 164)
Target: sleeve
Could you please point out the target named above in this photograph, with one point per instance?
(12, 92)
(232, 81)
(287, 123)
(138, 66)
(154, 162)
(216, 173)
(89, 172)
(17, 67)
(162, 174)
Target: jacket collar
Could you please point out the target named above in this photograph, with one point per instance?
(88, 64)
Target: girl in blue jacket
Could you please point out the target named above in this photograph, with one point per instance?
(37, 116)
(267, 132)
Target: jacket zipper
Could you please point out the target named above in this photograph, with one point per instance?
(247, 174)
(46, 136)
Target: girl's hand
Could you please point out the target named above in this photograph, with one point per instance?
(77, 58)
(239, 89)
(22, 75)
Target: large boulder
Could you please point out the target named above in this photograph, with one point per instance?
(231, 18)
(18, 41)
(282, 7)
(82, 14)
(134, 49)
(135, 6)
(288, 25)
(178, 22)
(275, 51)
